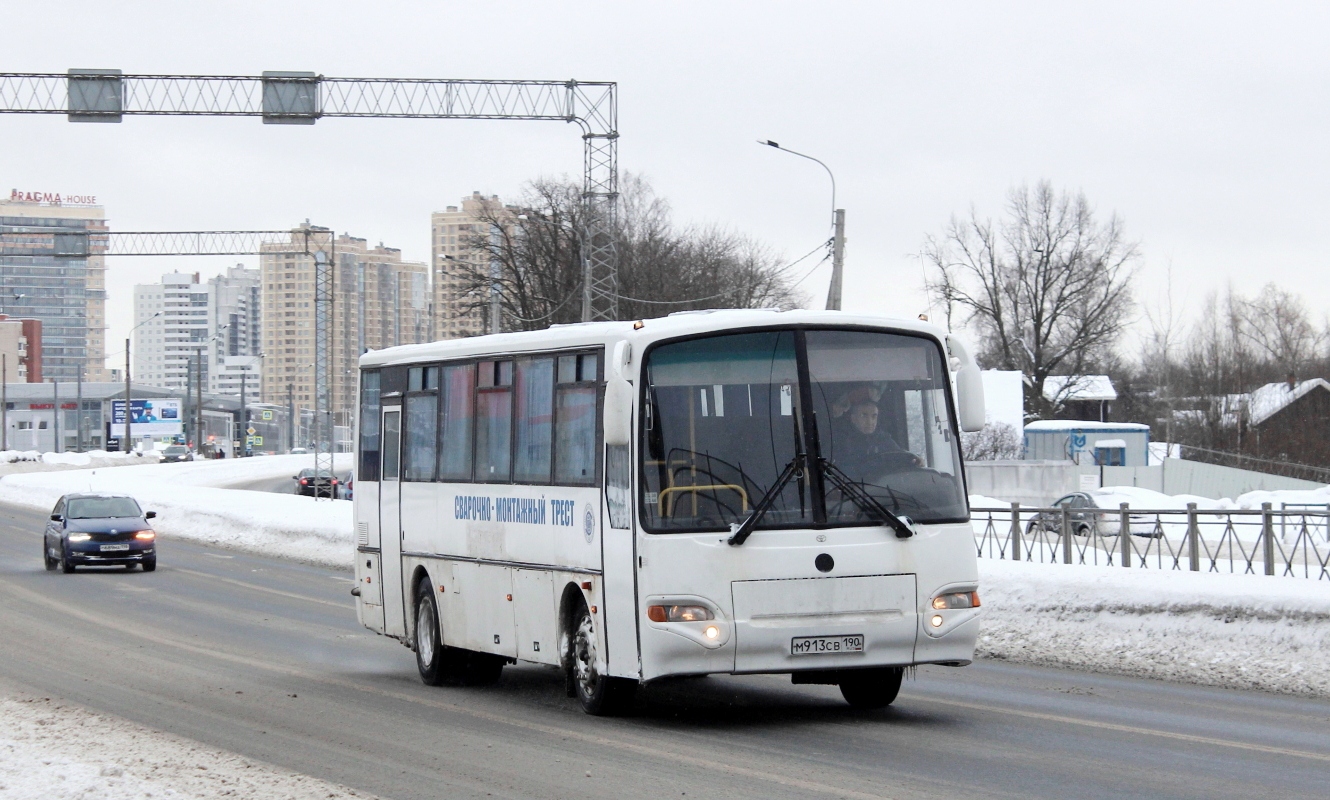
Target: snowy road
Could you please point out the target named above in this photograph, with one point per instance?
(263, 658)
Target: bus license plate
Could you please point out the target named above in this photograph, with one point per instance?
(819, 645)
(108, 547)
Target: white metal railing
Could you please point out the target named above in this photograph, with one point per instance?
(1288, 542)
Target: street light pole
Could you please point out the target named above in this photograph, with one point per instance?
(837, 226)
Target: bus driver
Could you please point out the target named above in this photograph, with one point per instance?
(863, 450)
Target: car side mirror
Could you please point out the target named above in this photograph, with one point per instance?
(295, 477)
(150, 515)
(57, 517)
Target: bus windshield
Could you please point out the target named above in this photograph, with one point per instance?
(725, 415)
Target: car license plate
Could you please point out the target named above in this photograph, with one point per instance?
(112, 547)
(823, 645)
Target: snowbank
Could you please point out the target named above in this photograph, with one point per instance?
(190, 506)
(1236, 631)
(44, 755)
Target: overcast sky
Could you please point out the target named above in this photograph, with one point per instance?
(1203, 125)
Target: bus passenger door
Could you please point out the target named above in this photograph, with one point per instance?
(390, 523)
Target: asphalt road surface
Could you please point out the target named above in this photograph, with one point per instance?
(264, 658)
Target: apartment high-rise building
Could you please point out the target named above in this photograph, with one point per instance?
(455, 311)
(171, 340)
(68, 294)
(235, 331)
(379, 301)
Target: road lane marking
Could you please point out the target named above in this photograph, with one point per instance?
(1113, 726)
(258, 588)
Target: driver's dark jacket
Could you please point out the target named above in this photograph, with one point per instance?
(862, 456)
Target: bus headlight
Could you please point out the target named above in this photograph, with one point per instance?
(956, 600)
(680, 614)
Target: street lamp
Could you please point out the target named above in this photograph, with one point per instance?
(837, 224)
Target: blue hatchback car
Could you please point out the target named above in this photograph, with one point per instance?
(102, 530)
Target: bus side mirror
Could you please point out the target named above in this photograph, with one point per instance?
(970, 398)
(618, 416)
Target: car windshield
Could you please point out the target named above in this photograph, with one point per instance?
(725, 416)
(177, 449)
(101, 507)
(309, 473)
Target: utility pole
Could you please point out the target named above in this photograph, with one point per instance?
(244, 411)
(198, 401)
(291, 414)
(837, 261)
(494, 280)
(4, 401)
(79, 414)
(55, 416)
(128, 407)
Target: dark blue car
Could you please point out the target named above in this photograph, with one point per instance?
(102, 530)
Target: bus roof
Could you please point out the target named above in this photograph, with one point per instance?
(586, 334)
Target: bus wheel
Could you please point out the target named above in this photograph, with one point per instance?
(429, 645)
(871, 688)
(600, 695)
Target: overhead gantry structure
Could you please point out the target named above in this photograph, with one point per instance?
(302, 98)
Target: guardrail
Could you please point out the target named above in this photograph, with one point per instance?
(1285, 542)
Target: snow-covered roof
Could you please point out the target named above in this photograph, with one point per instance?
(1109, 444)
(1271, 398)
(1068, 425)
(1079, 387)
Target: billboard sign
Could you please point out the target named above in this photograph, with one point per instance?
(156, 416)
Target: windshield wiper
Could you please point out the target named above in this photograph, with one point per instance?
(795, 469)
(865, 501)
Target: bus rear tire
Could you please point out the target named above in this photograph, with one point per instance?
(430, 660)
(600, 695)
(871, 688)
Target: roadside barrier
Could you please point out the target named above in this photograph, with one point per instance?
(1287, 542)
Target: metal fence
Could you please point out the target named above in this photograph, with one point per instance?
(1289, 542)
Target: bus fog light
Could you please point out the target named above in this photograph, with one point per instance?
(936, 620)
(712, 632)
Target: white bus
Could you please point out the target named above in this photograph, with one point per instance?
(712, 492)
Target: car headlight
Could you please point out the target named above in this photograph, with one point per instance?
(956, 600)
(146, 535)
(679, 614)
(79, 537)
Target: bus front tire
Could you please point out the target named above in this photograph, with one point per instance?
(872, 688)
(600, 695)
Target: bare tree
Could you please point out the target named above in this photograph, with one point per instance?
(530, 252)
(996, 441)
(1048, 291)
(1277, 323)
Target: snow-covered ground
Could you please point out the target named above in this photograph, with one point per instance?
(1239, 631)
(12, 461)
(44, 755)
(190, 504)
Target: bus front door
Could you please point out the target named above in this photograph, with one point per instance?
(390, 523)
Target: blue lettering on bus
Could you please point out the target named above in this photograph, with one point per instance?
(524, 510)
(475, 507)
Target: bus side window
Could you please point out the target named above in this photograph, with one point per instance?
(369, 426)
(494, 421)
(420, 419)
(575, 434)
(456, 411)
(535, 387)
